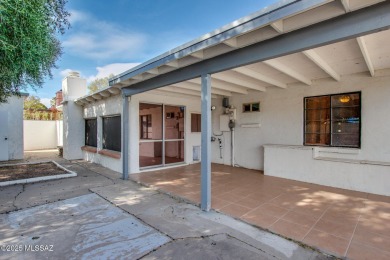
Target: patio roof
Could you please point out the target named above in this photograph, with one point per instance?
(364, 53)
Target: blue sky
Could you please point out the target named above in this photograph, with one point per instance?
(112, 36)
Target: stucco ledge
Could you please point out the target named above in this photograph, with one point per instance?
(110, 153)
(90, 149)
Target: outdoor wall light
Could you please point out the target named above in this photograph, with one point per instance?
(213, 108)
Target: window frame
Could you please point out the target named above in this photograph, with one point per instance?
(120, 128)
(330, 120)
(250, 107)
(199, 126)
(147, 127)
(85, 131)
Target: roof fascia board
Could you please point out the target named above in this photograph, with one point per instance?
(351, 25)
(280, 10)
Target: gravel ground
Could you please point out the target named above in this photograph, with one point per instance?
(26, 171)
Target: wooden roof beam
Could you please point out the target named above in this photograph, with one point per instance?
(259, 76)
(363, 48)
(319, 61)
(288, 71)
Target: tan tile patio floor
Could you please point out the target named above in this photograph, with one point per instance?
(337, 221)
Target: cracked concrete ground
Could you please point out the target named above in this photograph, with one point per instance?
(90, 216)
(17, 197)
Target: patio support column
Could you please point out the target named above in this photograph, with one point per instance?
(206, 143)
(125, 137)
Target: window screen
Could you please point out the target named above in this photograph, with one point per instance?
(91, 132)
(333, 120)
(112, 133)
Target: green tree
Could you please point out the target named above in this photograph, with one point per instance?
(33, 103)
(29, 46)
(99, 83)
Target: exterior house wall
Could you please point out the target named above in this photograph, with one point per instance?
(42, 134)
(14, 110)
(281, 119)
(107, 107)
(113, 106)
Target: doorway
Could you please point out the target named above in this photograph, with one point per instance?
(161, 139)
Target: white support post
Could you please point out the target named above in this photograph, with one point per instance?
(206, 143)
(133, 140)
(125, 137)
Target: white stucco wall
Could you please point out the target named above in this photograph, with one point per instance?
(107, 107)
(42, 134)
(73, 87)
(113, 106)
(300, 163)
(14, 110)
(281, 119)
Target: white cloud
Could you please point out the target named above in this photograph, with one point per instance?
(46, 102)
(114, 68)
(77, 16)
(65, 72)
(96, 39)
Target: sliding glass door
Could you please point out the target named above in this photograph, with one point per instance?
(161, 130)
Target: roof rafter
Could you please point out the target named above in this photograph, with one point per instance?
(197, 87)
(178, 90)
(319, 61)
(346, 5)
(223, 85)
(240, 82)
(278, 26)
(173, 63)
(259, 76)
(198, 54)
(231, 42)
(105, 94)
(366, 55)
(154, 71)
(175, 94)
(114, 91)
(97, 96)
(288, 71)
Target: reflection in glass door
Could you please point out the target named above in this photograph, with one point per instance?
(174, 134)
(151, 135)
(161, 134)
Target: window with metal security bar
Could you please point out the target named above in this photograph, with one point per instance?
(333, 120)
(91, 132)
(112, 133)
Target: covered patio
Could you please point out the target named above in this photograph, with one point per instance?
(342, 222)
(299, 91)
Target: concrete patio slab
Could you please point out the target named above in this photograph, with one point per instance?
(181, 221)
(85, 227)
(213, 247)
(67, 214)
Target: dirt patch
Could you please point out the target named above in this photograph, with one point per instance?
(27, 171)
